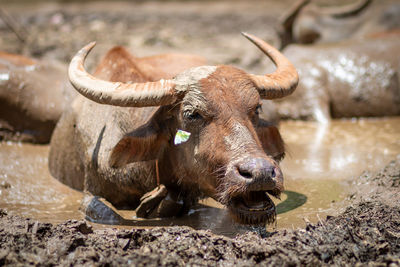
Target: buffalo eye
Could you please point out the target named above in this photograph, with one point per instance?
(192, 116)
(258, 109)
(254, 114)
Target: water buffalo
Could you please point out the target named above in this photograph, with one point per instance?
(354, 78)
(307, 22)
(121, 136)
(33, 95)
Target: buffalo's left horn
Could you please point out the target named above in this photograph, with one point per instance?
(283, 81)
(116, 93)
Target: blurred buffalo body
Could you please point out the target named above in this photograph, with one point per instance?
(354, 78)
(306, 22)
(33, 94)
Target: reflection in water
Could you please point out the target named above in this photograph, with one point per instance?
(320, 158)
(340, 150)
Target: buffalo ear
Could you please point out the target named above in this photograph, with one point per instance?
(271, 140)
(142, 144)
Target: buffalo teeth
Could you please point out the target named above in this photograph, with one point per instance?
(262, 209)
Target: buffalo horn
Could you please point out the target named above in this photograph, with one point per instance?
(346, 10)
(288, 18)
(116, 93)
(280, 83)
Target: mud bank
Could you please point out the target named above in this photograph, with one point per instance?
(367, 232)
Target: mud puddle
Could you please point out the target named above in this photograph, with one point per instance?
(27, 189)
(321, 158)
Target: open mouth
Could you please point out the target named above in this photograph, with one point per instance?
(253, 208)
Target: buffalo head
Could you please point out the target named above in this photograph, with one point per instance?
(231, 154)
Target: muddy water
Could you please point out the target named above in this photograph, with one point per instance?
(26, 187)
(320, 159)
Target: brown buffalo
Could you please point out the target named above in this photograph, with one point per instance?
(119, 136)
(355, 78)
(306, 22)
(33, 95)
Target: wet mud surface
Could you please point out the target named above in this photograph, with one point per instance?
(336, 220)
(316, 172)
(367, 232)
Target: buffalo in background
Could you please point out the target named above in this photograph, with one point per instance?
(33, 95)
(343, 74)
(355, 78)
(308, 23)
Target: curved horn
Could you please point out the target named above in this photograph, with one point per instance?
(280, 83)
(345, 11)
(116, 93)
(289, 17)
(284, 28)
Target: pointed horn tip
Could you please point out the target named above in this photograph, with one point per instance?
(252, 38)
(247, 35)
(89, 46)
(86, 49)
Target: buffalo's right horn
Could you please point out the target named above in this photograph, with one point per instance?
(116, 93)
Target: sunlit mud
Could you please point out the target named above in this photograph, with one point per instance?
(26, 187)
(321, 159)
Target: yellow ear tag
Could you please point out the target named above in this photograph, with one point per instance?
(181, 137)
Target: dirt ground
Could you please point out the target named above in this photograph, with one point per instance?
(58, 29)
(366, 233)
(211, 29)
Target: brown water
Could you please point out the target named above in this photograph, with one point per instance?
(321, 158)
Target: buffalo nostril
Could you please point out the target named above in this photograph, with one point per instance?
(245, 173)
(273, 173)
(257, 169)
